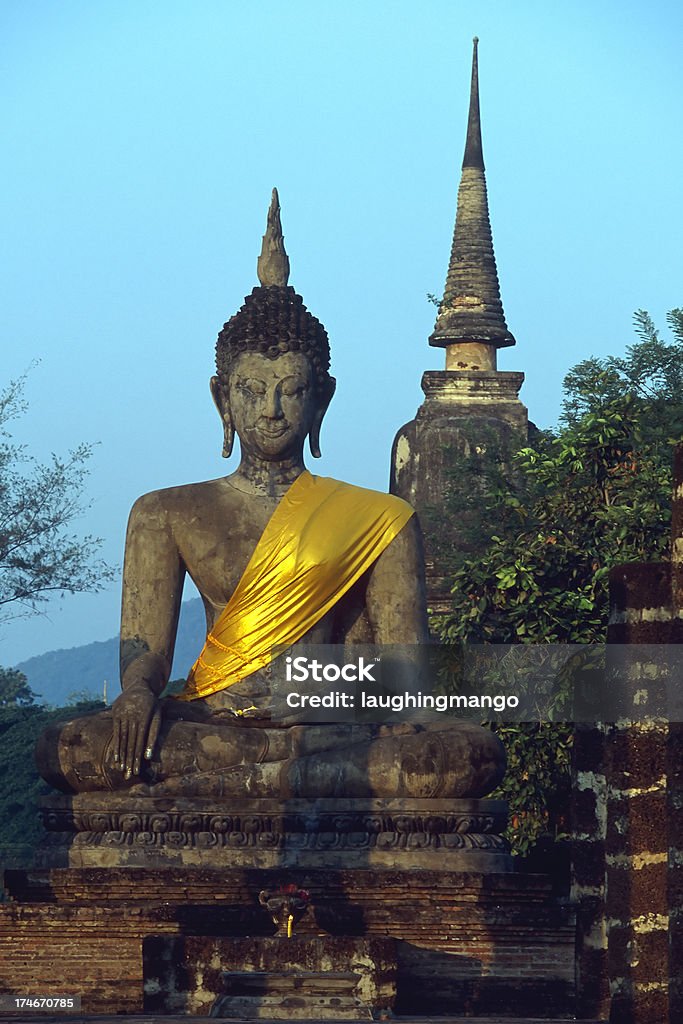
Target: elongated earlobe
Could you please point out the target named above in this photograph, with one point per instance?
(314, 432)
(314, 437)
(228, 439)
(220, 398)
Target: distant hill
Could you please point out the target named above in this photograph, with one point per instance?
(54, 676)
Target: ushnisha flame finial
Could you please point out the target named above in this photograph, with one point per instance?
(272, 265)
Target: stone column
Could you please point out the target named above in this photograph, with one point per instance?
(644, 771)
(675, 759)
(589, 826)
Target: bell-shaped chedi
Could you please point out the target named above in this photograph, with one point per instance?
(470, 405)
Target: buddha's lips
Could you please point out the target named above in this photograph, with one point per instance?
(273, 433)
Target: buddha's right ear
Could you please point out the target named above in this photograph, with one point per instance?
(219, 393)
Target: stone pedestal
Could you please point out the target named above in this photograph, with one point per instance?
(156, 901)
(94, 830)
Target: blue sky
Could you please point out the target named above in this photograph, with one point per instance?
(142, 140)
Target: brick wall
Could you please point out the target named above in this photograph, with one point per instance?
(468, 943)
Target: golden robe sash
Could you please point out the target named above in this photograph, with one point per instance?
(320, 539)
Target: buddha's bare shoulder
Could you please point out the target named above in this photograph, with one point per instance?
(169, 503)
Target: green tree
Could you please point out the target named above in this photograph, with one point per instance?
(593, 495)
(596, 495)
(651, 371)
(14, 689)
(39, 555)
(21, 788)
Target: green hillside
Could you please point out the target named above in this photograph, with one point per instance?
(56, 675)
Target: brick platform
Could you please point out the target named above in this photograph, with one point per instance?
(468, 943)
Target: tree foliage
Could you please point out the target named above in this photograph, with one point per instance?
(21, 787)
(39, 555)
(14, 689)
(595, 494)
(650, 372)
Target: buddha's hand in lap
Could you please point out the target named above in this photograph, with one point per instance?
(136, 721)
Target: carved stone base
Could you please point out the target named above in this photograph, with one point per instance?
(113, 830)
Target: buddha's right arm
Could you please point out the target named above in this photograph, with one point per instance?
(152, 588)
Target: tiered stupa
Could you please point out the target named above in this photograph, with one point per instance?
(470, 401)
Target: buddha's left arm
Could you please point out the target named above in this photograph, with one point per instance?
(395, 597)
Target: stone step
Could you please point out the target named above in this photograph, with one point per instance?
(146, 1018)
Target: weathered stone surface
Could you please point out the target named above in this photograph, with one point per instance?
(635, 821)
(641, 604)
(115, 830)
(589, 866)
(272, 265)
(290, 995)
(186, 974)
(470, 405)
(639, 1006)
(97, 1018)
(462, 410)
(588, 750)
(636, 587)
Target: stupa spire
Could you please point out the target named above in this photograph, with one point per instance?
(474, 154)
(471, 323)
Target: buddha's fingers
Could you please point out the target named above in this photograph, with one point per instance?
(116, 740)
(153, 734)
(125, 733)
(131, 749)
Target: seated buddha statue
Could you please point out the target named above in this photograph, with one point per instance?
(279, 557)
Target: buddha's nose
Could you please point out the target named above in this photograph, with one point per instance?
(273, 405)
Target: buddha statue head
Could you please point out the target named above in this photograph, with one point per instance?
(273, 384)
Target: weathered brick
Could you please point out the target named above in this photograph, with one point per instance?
(506, 929)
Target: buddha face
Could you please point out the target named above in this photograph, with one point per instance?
(272, 403)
